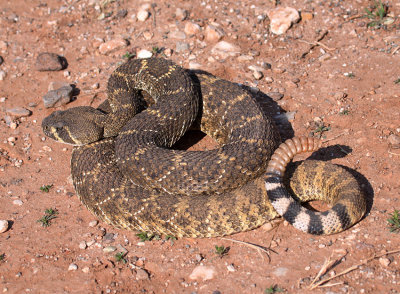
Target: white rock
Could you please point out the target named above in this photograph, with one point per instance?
(194, 65)
(202, 272)
(282, 18)
(142, 15)
(2, 75)
(258, 75)
(3, 226)
(384, 261)
(109, 249)
(93, 223)
(280, 271)
(18, 202)
(113, 45)
(144, 54)
(82, 245)
(86, 269)
(72, 267)
(225, 49)
(230, 268)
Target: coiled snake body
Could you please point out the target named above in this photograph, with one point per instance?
(125, 172)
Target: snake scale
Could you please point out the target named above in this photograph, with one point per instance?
(126, 173)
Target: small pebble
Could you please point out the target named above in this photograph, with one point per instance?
(181, 46)
(202, 272)
(86, 269)
(276, 96)
(17, 202)
(143, 15)
(113, 45)
(230, 268)
(50, 62)
(109, 249)
(3, 226)
(384, 261)
(281, 19)
(82, 245)
(269, 80)
(177, 35)
(213, 33)
(141, 274)
(181, 14)
(258, 75)
(2, 75)
(192, 28)
(394, 140)
(144, 54)
(72, 267)
(93, 223)
(18, 112)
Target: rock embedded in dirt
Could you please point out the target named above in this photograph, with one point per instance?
(18, 112)
(82, 245)
(276, 96)
(181, 14)
(93, 223)
(3, 75)
(47, 61)
(144, 54)
(225, 49)
(18, 202)
(282, 18)
(394, 140)
(109, 249)
(181, 46)
(72, 267)
(203, 272)
(192, 28)
(3, 226)
(213, 33)
(141, 274)
(143, 15)
(177, 35)
(113, 45)
(58, 97)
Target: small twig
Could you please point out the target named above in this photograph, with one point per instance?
(395, 50)
(313, 286)
(259, 248)
(390, 152)
(333, 138)
(315, 43)
(153, 9)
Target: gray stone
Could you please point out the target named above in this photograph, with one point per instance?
(1, 60)
(18, 112)
(58, 97)
(181, 46)
(275, 95)
(50, 62)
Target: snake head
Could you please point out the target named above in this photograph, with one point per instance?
(76, 126)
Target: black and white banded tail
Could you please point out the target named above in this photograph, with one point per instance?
(318, 181)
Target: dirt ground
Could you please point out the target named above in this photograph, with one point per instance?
(339, 77)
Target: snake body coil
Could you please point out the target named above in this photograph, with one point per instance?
(126, 173)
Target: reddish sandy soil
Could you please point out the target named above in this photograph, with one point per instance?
(345, 82)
